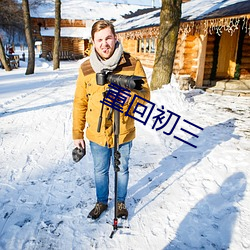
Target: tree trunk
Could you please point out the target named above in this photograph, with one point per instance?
(168, 34)
(28, 33)
(3, 57)
(56, 59)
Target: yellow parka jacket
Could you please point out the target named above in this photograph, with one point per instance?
(87, 104)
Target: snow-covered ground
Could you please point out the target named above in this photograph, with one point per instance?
(179, 197)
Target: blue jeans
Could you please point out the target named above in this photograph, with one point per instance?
(102, 158)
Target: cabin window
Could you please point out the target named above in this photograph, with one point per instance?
(152, 45)
(146, 45)
(140, 45)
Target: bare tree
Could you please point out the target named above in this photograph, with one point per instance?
(36, 3)
(28, 33)
(11, 16)
(3, 57)
(168, 34)
(56, 59)
(11, 24)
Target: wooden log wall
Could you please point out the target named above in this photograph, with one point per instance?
(50, 22)
(79, 46)
(66, 44)
(178, 61)
(131, 46)
(146, 59)
(73, 45)
(47, 45)
(190, 56)
(186, 55)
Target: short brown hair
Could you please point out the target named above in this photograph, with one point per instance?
(101, 24)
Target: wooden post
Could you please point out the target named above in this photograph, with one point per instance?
(144, 45)
(201, 60)
(140, 42)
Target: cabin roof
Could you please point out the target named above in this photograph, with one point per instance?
(193, 10)
(208, 9)
(140, 21)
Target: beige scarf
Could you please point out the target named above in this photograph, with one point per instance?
(110, 64)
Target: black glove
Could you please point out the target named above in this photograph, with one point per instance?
(78, 153)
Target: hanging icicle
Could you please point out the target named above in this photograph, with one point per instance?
(246, 25)
(217, 25)
(140, 33)
(186, 28)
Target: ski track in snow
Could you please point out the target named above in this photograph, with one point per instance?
(175, 192)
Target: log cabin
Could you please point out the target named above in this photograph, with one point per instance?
(213, 41)
(74, 37)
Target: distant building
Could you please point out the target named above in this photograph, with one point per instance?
(74, 37)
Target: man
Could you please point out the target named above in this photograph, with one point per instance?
(107, 54)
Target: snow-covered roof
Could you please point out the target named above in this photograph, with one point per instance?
(85, 10)
(191, 11)
(79, 32)
(145, 20)
(206, 9)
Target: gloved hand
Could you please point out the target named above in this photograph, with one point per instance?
(79, 151)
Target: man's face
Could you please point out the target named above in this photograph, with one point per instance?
(104, 42)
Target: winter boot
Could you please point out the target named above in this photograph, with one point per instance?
(122, 211)
(97, 210)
